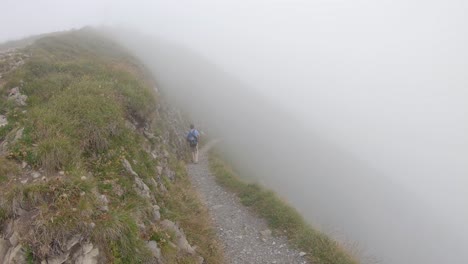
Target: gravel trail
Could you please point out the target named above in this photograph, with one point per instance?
(237, 228)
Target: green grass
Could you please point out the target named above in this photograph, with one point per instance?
(281, 217)
(82, 89)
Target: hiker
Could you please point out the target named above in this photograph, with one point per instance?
(192, 138)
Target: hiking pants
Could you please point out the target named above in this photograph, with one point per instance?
(195, 154)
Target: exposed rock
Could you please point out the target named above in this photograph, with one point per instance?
(14, 239)
(87, 255)
(181, 240)
(302, 254)
(141, 188)
(104, 203)
(15, 255)
(159, 169)
(200, 260)
(162, 188)
(128, 167)
(4, 246)
(155, 250)
(3, 120)
(166, 154)
(156, 213)
(36, 174)
(154, 182)
(15, 94)
(57, 259)
(18, 135)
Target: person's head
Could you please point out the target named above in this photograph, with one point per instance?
(192, 126)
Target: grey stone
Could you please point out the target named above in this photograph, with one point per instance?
(88, 255)
(18, 135)
(156, 213)
(73, 241)
(200, 260)
(154, 182)
(15, 94)
(36, 174)
(181, 240)
(159, 169)
(141, 188)
(155, 250)
(59, 259)
(128, 167)
(3, 120)
(162, 188)
(15, 255)
(4, 246)
(14, 239)
(104, 203)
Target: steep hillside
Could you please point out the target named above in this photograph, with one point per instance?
(91, 160)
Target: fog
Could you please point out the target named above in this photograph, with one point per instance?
(353, 111)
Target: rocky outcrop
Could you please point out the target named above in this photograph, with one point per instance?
(3, 121)
(140, 186)
(16, 96)
(180, 238)
(155, 250)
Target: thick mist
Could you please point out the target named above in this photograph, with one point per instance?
(340, 189)
(354, 111)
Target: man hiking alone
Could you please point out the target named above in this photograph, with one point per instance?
(192, 138)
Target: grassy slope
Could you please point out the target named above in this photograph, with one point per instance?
(82, 89)
(282, 218)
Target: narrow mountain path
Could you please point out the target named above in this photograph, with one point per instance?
(245, 237)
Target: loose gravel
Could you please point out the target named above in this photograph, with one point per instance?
(246, 238)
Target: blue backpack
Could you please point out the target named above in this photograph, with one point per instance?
(192, 139)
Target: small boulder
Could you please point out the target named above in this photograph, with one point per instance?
(15, 95)
(155, 250)
(159, 169)
(4, 246)
(181, 240)
(3, 121)
(104, 203)
(15, 255)
(156, 213)
(36, 174)
(142, 189)
(128, 167)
